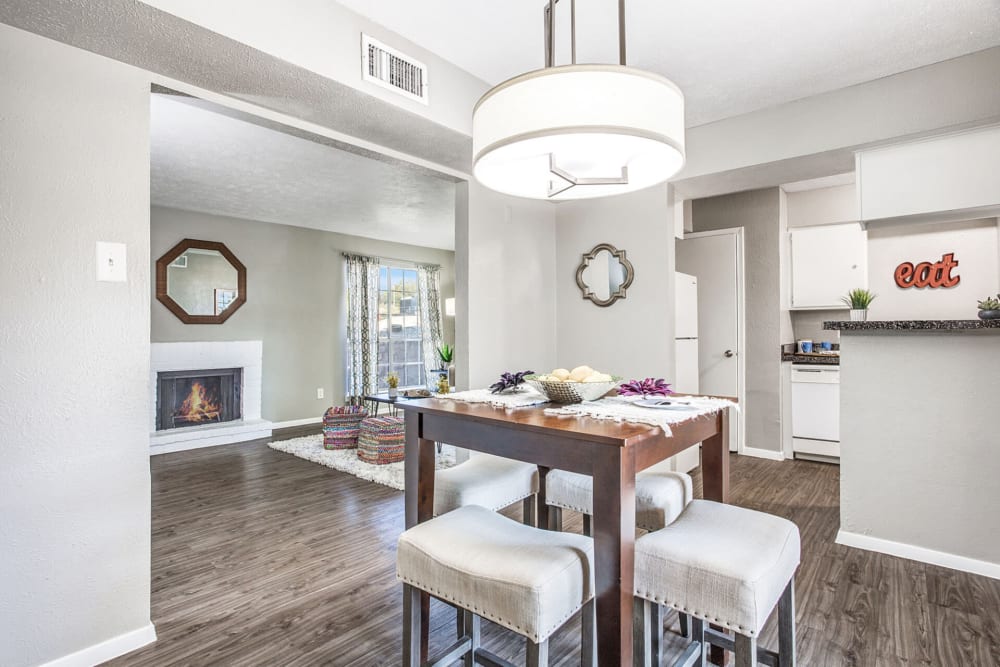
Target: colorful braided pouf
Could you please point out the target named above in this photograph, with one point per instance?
(341, 425)
(382, 440)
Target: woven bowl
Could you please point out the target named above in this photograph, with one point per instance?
(572, 392)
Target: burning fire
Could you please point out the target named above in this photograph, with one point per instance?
(198, 406)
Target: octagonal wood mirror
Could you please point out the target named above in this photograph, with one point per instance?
(201, 282)
(604, 274)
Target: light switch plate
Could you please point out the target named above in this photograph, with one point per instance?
(319, 392)
(111, 262)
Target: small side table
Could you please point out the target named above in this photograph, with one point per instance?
(374, 401)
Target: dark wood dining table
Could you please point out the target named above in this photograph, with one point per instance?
(611, 452)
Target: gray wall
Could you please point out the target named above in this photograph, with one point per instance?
(74, 484)
(506, 246)
(633, 337)
(295, 301)
(918, 463)
(808, 325)
(758, 213)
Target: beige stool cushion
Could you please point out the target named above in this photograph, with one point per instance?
(660, 494)
(490, 481)
(725, 564)
(526, 579)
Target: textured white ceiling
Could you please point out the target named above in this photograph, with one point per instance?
(208, 162)
(728, 56)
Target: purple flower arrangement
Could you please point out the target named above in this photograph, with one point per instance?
(509, 381)
(647, 387)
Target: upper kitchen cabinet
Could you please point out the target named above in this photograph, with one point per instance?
(952, 177)
(827, 262)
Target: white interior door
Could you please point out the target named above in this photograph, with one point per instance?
(716, 259)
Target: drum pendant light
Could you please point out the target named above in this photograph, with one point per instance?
(578, 131)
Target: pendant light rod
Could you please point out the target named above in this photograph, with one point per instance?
(621, 32)
(572, 30)
(550, 52)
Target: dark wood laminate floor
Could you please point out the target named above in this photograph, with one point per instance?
(261, 558)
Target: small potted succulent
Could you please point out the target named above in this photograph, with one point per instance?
(446, 353)
(989, 308)
(509, 382)
(858, 300)
(393, 381)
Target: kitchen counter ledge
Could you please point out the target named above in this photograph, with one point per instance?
(913, 325)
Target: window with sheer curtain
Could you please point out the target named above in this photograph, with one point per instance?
(400, 328)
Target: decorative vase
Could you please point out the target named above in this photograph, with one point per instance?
(393, 392)
(859, 315)
(989, 314)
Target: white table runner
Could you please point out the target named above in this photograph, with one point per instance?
(520, 399)
(623, 409)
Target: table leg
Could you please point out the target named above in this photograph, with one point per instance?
(715, 461)
(715, 485)
(419, 500)
(614, 551)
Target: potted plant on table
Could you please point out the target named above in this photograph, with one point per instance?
(393, 381)
(858, 301)
(989, 308)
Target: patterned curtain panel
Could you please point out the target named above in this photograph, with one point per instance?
(362, 326)
(429, 290)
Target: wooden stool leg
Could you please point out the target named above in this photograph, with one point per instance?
(656, 633)
(588, 622)
(698, 635)
(472, 632)
(683, 619)
(555, 519)
(538, 654)
(786, 626)
(746, 651)
(640, 633)
(459, 622)
(528, 511)
(588, 525)
(411, 626)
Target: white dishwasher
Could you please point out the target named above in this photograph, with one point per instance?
(816, 412)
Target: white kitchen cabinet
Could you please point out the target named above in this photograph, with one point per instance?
(827, 262)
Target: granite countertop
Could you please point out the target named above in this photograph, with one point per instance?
(818, 359)
(913, 325)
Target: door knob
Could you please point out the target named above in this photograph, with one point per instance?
(729, 353)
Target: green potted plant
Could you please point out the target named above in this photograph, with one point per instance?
(392, 379)
(989, 308)
(447, 355)
(858, 300)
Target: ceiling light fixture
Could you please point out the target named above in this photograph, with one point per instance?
(578, 131)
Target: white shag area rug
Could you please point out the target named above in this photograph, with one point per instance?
(310, 448)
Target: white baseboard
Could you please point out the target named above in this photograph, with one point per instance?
(763, 453)
(296, 422)
(921, 554)
(108, 649)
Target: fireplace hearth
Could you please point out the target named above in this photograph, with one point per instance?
(198, 397)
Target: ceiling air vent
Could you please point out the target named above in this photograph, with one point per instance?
(387, 67)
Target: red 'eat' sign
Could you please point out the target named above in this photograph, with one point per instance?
(926, 274)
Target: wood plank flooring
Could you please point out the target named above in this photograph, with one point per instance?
(261, 558)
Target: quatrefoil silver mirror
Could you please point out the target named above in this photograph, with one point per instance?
(604, 274)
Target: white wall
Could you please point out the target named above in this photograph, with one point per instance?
(325, 37)
(823, 206)
(633, 337)
(506, 246)
(75, 499)
(974, 243)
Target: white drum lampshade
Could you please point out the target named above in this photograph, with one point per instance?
(578, 131)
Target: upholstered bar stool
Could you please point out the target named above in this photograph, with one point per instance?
(528, 580)
(489, 481)
(660, 496)
(723, 565)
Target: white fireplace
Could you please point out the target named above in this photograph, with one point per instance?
(191, 359)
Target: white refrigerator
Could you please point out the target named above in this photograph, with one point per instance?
(686, 353)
